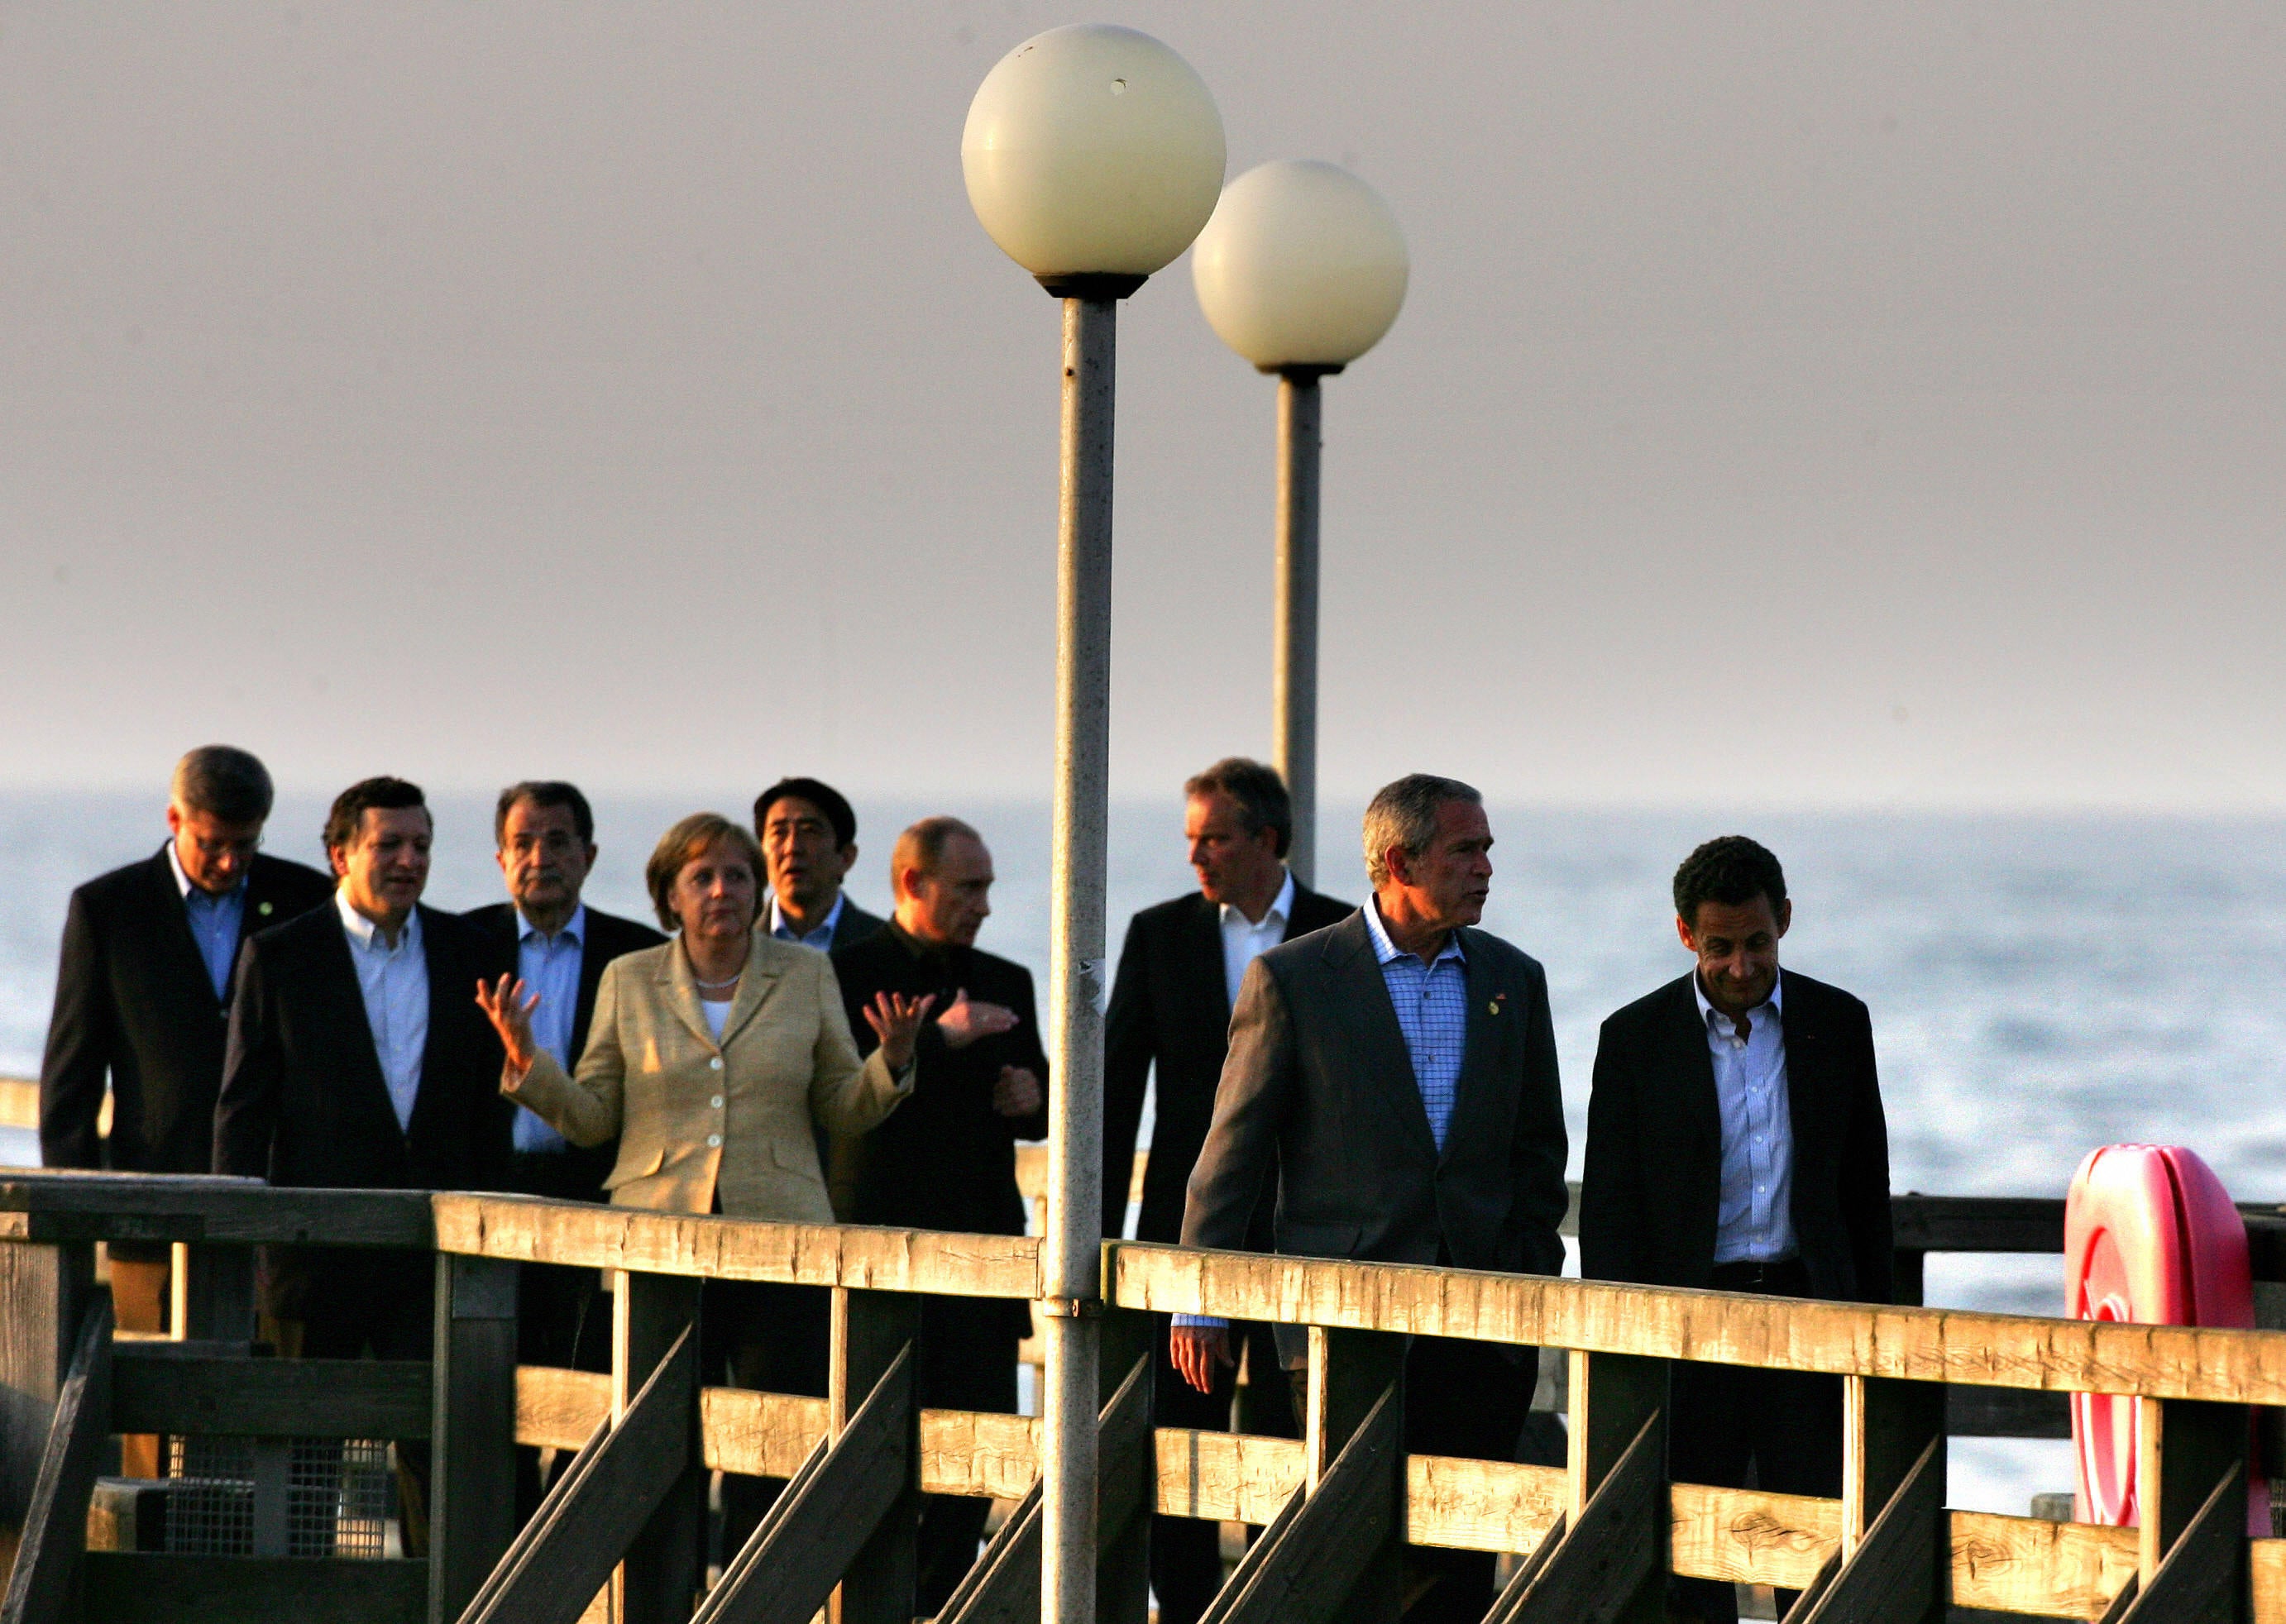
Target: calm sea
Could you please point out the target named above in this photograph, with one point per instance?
(2039, 985)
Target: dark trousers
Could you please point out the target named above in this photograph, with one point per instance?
(562, 1316)
(1784, 1426)
(968, 1362)
(1187, 1551)
(379, 1305)
(1466, 1399)
(772, 1338)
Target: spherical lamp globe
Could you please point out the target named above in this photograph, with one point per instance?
(1302, 265)
(1092, 152)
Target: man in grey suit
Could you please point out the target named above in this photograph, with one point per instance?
(808, 835)
(1397, 1071)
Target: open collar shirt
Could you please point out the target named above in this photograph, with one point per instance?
(394, 983)
(216, 922)
(1432, 1001)
(1753, 1214)
(1245, 940)
(821, 938)
(550, 966)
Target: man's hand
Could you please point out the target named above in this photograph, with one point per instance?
(897, 1022)
(1018, 1092)
(1196, 1350)
(964, 1021)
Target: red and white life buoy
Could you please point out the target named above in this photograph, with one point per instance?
(2150, 1236)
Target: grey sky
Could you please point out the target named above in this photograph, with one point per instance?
(1808, 404)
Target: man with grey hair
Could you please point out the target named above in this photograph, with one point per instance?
(1397, 1071)
(143, 995)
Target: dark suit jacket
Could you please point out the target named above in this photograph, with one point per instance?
(1319, 1085)
(945, 1159)
(303, 1099)
(574, 1174)
(133, 1002)
(1170, 1009)
(1654, 1165)
(855, 926)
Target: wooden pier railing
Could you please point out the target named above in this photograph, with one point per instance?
(1593, 1538)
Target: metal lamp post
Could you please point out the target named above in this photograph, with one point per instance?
(1301, 270)
(1093, 155)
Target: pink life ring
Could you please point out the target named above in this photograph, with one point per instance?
(2150, 1236)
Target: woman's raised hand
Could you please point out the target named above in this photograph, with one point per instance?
(510, 1010)
(896, 1021)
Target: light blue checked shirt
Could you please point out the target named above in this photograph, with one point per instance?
(1754, 1213)
(1432, 1011)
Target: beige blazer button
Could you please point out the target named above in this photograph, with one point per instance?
(716, 1102)
(713, 1141)
(715, 1064)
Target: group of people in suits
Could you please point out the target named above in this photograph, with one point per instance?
(1329, 1080)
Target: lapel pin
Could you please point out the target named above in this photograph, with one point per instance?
(264, 910)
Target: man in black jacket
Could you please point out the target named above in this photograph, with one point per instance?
(143, 1001)
(1169, 1017)
(946, 1159)
(544, 834)
(1735, 1142)
(808, 836)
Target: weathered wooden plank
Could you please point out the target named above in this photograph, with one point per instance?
(1892, 1576)
(528, 1230)
(1480, 1505)
(2182, 1448)
(2265, 1562)
(1609, 1562)
(269, 1397)
(651, 1313)
(1977, 1223)
(1312, 1563)
(55, 1524)
(980, 1453)
(126, 1588)
(44, 1295)
(2005, 1412)
(1227, 1476)
(195, 1207)
(2025, 1564)
(873, 1331)
(214, 1292)
(758, 1434)
(1925, 1344)
(594, 1511)
(2198, 1581)
(472, 1473)
(558, 1408)
(828, 1514)
(1004, 1585)
(1746, 1537)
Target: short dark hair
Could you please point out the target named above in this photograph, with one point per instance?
(921, 847)
(1730, 870)
(825, 797)
(688, 839)
(369, 794)
(1258, 791)
(545, 793)
(222, 782)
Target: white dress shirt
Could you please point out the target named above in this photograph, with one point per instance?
(1245, 940)
(395, 982)
(550, 966)
(1753, 1214)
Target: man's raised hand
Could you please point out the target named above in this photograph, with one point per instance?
(965, 1020)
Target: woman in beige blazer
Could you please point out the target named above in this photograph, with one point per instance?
(710, 1058)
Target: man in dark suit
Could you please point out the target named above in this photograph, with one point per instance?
(1397, 1072)
(1735, 1142)
(358, 1059)
(1179, 976)
(946, 1159)
(809, 841)
(544, 834)
(143, 1002)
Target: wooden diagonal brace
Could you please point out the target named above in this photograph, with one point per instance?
(1305, 1563)
(1003, 1586)
(1892, 1577)
(2199, 1582)
(1586, 1573)
(596, 1510)
(793, 1561)
(55, 1523)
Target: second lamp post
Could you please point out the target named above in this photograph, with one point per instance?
(1301, 270)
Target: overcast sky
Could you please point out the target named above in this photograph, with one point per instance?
(1815, 404)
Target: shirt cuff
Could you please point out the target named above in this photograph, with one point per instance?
(1203, 1321)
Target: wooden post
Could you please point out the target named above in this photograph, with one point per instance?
(1894, 1565)
(472, 1451)
(1611, 1396)
(44, 1289)
(870, 1330)
(659, 1579)
(213, 1293)
(1349, 1372)
(2185, 1448)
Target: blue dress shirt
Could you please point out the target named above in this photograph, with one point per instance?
(1432, 1011)
(1754, 1213)
(216, 923)
(549, 966)
(821, 938)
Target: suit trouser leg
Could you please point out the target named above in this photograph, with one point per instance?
(1187, 1551)
(1785, 1424)
(1465, 1399)
(562, 1320)
(968, 1362)
(382, 1305)
(772, 1338)
(138, 1303)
